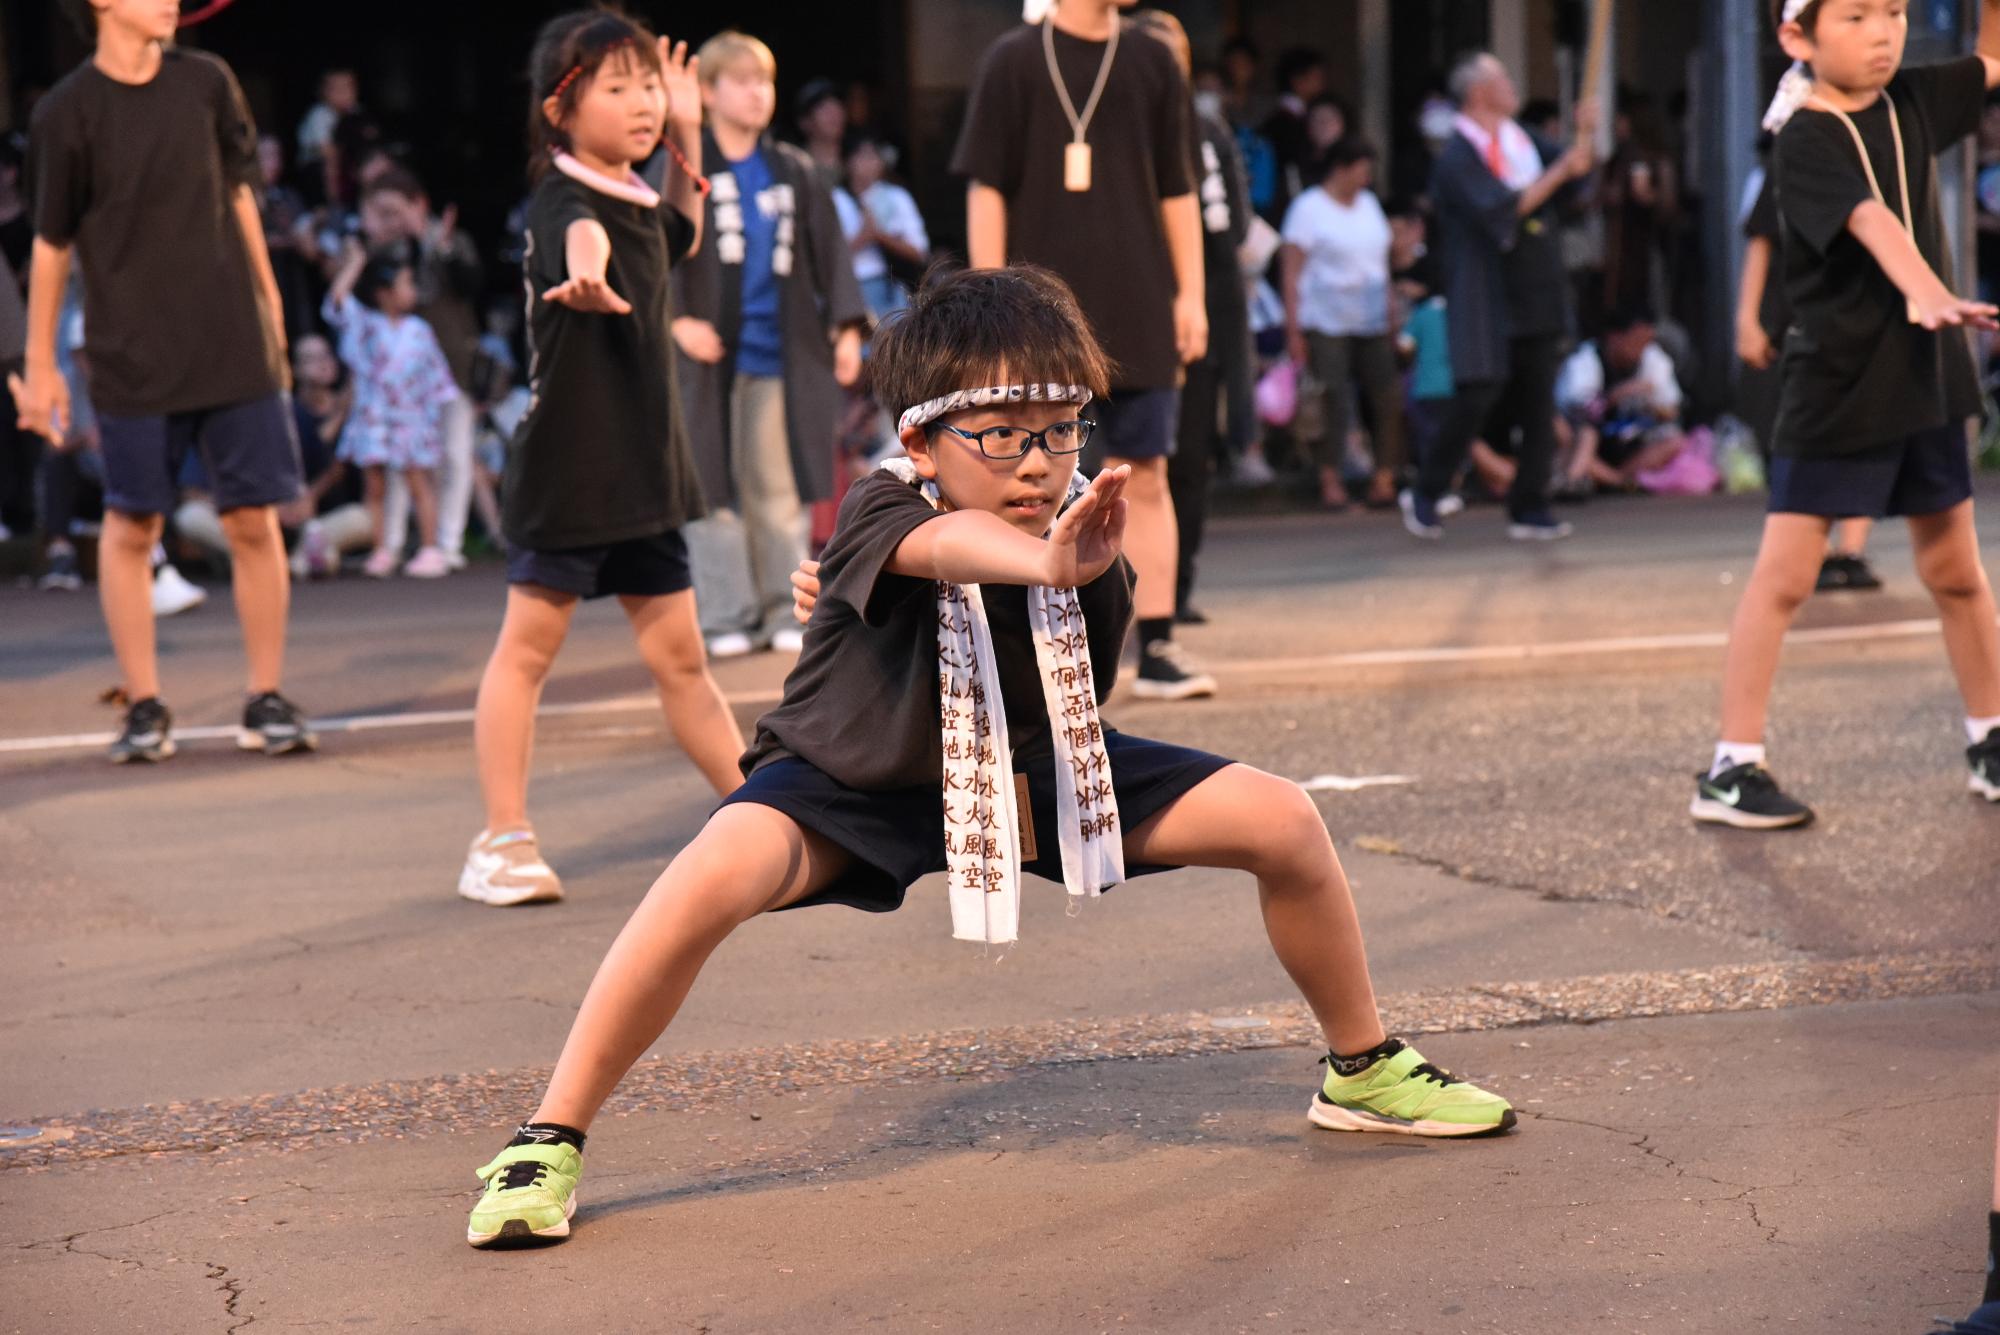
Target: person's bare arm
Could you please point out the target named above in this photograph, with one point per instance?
(41, 398)
(1989, 41)
(985, 227)
(1753, 341)
(1291, 264)
(976, 547)
(1934, 305)
(244, 202)
(1181, 216)
(586, 256)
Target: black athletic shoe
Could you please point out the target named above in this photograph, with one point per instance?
(272, 724)
(1861, 577)
(1985, 761)
(148, 733)
(1165, 675)
(1747, 797)
(1187, 614)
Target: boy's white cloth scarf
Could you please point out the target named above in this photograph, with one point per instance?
(982, 821)
(1796, 88)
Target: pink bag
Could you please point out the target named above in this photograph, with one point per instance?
(1278, 394)
(1692, 472)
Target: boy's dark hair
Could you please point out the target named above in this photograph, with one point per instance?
(380, 272)
(1296, 61)
(568, 52)
(1808, 17)
(1345, 152)
(395, 181)
(1628, 316)
(966, 329)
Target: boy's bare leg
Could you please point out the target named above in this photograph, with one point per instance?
(503, 724)
(1948, 563)
(1247, 820)
(125, 591)
(1788, 562)
(1152, 536)
(262, 580)
(747, 860)
(670, 641)
(1851, 536)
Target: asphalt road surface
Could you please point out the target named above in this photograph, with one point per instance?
(252, 1044)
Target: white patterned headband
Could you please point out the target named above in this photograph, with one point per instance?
(930, 411)
(1795, 89)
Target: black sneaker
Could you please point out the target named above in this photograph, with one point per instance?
(1538, 526)
(1165, 675)
(272, 724)
(62, 576)
(148, 733)
(1985, 761)
(1861, 577)
(1187, 614)
(1747, 797)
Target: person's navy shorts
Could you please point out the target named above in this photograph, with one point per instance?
(897, 836)
(1923, 474)
(249, 451)
(1135, 424)
(636, 568)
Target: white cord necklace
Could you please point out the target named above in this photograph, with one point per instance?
(1868, 166)
(1076, 154)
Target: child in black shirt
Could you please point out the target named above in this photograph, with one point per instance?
(143, 162)
(1878, 379)
(973, 602)
(598, 481)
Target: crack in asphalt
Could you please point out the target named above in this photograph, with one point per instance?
(233, 1291)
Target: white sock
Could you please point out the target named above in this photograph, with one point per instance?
(1978, 729)
(1728, 755)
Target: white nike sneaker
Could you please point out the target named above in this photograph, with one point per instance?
(174, 593)
(506, 869)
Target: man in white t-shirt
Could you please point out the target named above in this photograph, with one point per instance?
(1334, 269)
(1620, 405)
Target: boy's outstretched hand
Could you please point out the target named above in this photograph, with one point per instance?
(1950, 309)
(1089, 535)
(586, 293)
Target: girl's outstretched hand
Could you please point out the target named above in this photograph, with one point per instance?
(680, 74)
(1088, 536)
(585, 293)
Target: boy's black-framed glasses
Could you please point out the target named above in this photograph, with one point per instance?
(1012, 442)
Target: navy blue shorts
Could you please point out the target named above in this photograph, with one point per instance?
(1135, 424)
(897, 836)
(637, 567)
(249, 453)
(1923, 474)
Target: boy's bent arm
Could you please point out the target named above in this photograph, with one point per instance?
(970, 547)
(985, 227)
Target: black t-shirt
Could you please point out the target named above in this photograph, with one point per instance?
(602, 455)
(862, 703)
(140, 178)
(317, 454)
(1857, 373)
(1108, 243)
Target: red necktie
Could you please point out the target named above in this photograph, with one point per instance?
(1496, 160)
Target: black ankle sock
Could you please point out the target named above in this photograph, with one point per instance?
(1361, 1061)
(1155, 628)
(1993, 1257)
(547, 1133)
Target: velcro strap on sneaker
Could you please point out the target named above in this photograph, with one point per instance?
(557, 1156)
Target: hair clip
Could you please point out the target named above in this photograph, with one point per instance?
(562, 84)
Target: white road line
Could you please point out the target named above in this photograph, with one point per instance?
(1471, 653)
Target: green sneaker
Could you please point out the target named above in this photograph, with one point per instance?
(1405, 1094)
(530, 1193)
